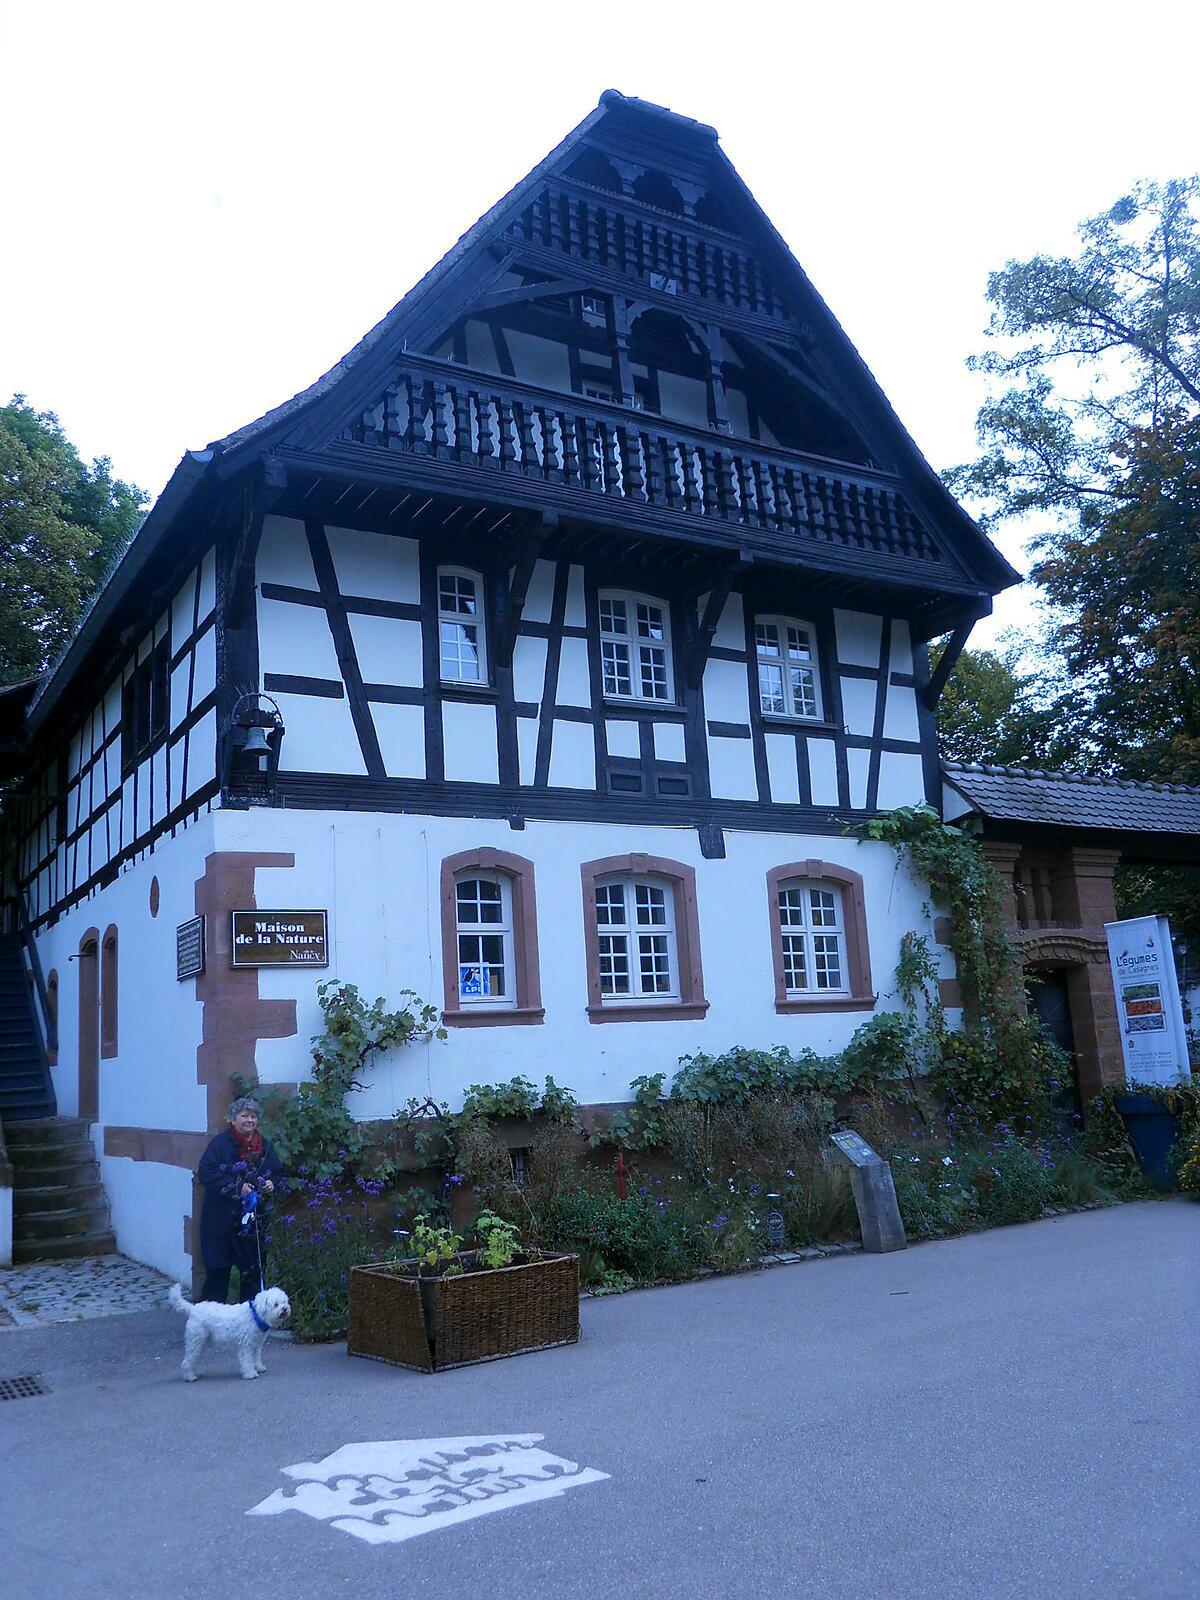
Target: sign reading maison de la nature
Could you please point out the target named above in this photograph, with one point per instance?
(1148, 1004)
(279, 939)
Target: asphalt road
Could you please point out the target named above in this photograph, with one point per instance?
(1010, 1415)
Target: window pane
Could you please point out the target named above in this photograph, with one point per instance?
(651, 901)
(654, 672)
(614, 658)
(799, 648)
(614, 963)
(460, 651)
(770, 688)
(795, 969)
(791, 908)
(650, 623)
(804, 694)
(654, 964)
(767, 637)
(457, 595)
(827, 961)
(824, 908)
(612, 617)
(479, 900)
(610, 905)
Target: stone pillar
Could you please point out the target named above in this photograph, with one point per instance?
(1096, 1028)
(1083, 888)
(1004, 857)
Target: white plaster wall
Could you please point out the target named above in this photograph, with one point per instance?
(469, 742)
(151, 1081)
(900, 714)
(857, 638)
(296, 640)
(573, 756)
(622, 737)
(902, 656)
(541, 361)
(540, 594)
(388, 649)
(822, 771)
(858, 764)
(319, 734)
(901, 780)
(529, 669)
(401, 734)
(858, 705)
(574, 684)
(381, 565)
(731, 769)
(726, 698)
(731, 629)
(378, 876)
(283, 554)
(781, 767)
(669, 741)
(576, 613)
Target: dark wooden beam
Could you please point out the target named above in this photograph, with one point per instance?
(717, 596)
(511, 597)
(937, 682)
(499, 298)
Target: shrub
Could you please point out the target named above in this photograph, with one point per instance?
(312, 1247)
(645, 1238)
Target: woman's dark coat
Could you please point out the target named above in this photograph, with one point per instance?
(222, 1174)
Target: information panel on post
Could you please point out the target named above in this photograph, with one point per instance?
(279, 939)
(1149, 1009)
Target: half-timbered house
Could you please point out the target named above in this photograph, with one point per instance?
(549, 643)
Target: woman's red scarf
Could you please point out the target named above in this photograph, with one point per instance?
(249, 1146)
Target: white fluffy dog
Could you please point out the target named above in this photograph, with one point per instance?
(244, 1326)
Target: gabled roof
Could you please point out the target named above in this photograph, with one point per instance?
(1064, 800)
(432, 305)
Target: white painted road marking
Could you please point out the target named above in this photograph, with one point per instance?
(387, 1490)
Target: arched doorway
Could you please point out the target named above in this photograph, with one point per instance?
(1050, 1002)
(89, 1025)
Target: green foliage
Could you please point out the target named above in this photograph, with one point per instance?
(636, 1237)
(436, 1249)
(312, 1247)
(62, 526)
(641, 1127)
(998, 707)
(737, 1075)
(315, 1133)
(498, 1240)
(1083, 349)
(519, 1097)
(1106, 1139)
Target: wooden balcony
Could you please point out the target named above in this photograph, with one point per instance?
(452, 431)
(671, 254)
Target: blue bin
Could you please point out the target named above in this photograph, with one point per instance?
(1151, 1129)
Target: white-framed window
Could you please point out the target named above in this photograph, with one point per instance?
(594, 310)
(789, 684)
(462, 643)
(813, 936)
(635, 648)
(635, 936)
(484, 940)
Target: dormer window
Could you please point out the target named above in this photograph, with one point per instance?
(788, 680)
(462, 648)
(635, 648)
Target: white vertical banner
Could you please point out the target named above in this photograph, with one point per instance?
(1149, 1009)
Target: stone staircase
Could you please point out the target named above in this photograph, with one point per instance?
(59, 1205)
(25, 1087)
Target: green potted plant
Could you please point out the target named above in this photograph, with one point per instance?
(445, 1307)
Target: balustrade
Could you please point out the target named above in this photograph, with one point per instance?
(601, 229)
(445, 414)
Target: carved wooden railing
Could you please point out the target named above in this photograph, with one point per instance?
(667, 253)
(445, 413)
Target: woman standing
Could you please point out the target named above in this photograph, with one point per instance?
(239, 1162)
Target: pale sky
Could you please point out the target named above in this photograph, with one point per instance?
(206, 205)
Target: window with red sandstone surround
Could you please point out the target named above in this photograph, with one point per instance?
(819, 938)
(642, 940)
(490, 966)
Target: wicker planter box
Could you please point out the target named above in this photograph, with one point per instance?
(430, 1324)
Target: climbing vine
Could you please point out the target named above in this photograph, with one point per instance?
(1001, 1066)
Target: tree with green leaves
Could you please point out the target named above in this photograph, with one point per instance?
(996, 709)
(1084, 349)
(62, 525)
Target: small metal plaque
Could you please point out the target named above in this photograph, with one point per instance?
(855, 1148)
(189, 949)
(279, 939)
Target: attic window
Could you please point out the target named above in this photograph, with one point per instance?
(593, 310)
(145, 706)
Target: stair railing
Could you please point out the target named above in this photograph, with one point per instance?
(25, 929)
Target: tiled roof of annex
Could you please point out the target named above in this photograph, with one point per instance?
(1065, 800)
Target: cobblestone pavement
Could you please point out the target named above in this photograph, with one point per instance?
(69, 1291)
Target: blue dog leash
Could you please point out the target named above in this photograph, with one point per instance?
(249, 1216)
